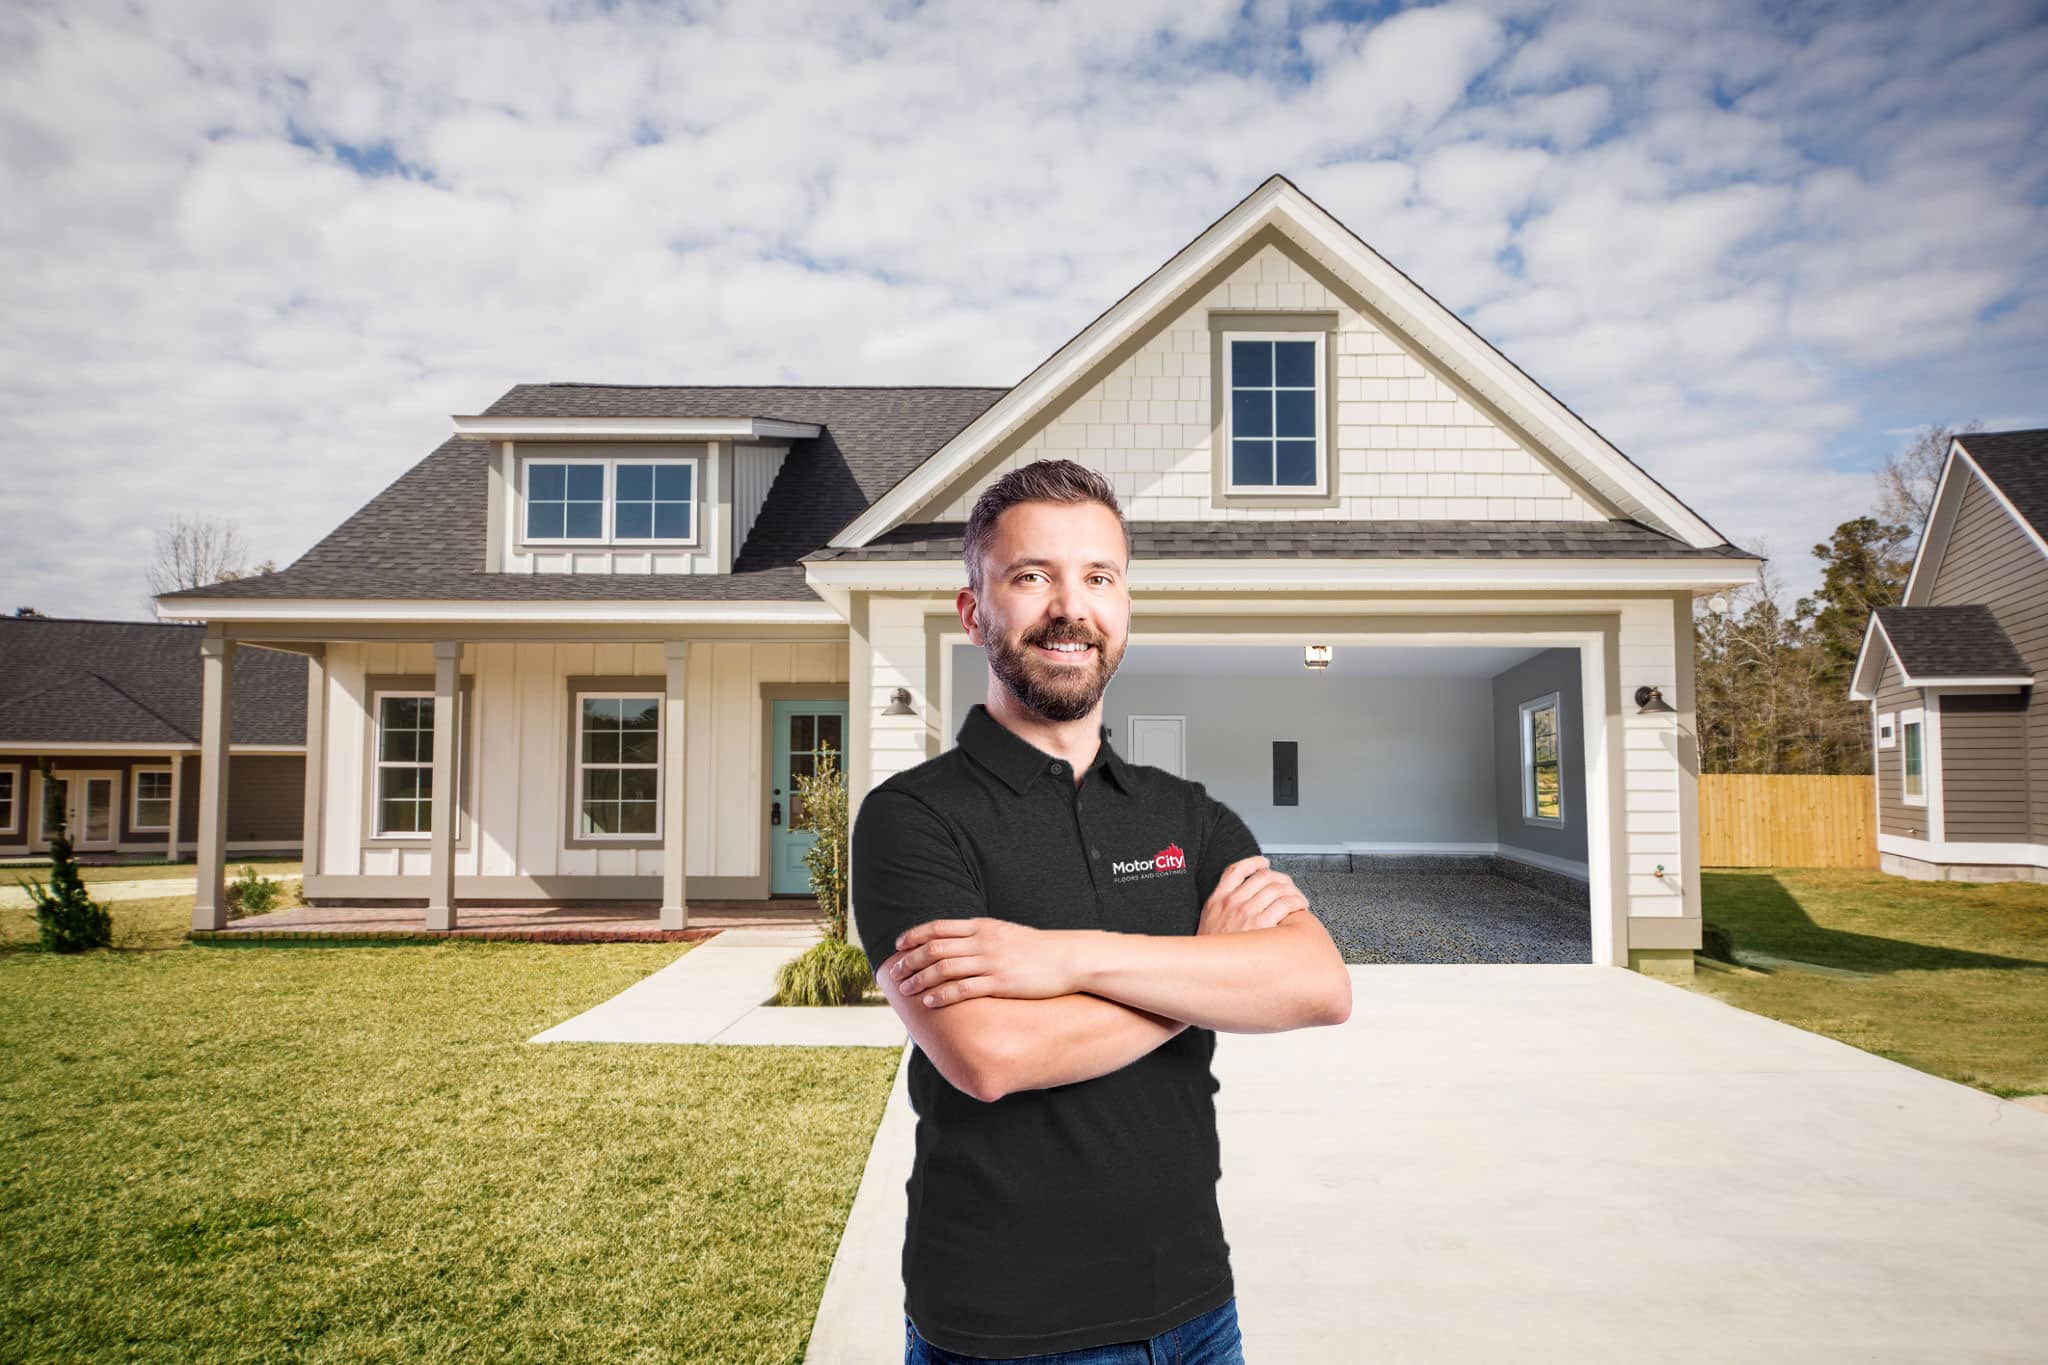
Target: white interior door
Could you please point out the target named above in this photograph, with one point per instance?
(1160, 742)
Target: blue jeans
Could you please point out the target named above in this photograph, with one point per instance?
(1210, 1339)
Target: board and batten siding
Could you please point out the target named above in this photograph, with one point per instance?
(520, 791)
(754, 471)
(711, 487)
(1406, 443)
(1989, 559)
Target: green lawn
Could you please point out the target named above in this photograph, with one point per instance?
(12, 873)
(263, 1152)
(1948, 977)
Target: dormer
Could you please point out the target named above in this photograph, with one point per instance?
(626, 495)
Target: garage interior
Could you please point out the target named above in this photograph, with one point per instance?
(1428, 799)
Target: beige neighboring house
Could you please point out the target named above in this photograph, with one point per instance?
(1392, 601)
(1959, 733)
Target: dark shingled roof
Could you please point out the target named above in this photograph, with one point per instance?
(2017, 461)
(135, 682)
(1333, 540)
(424, 536)
(1962, 641)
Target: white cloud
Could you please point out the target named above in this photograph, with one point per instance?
(253, 256)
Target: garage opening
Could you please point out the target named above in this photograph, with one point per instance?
(1430, 800)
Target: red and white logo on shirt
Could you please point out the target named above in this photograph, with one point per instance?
(1168, 859)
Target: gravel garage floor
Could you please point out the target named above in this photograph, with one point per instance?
(1419, 917)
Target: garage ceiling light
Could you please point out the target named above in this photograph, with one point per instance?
(1315, 656)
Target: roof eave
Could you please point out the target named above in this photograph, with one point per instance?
(634, 428)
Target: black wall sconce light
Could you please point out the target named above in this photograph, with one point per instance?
(1650, 699)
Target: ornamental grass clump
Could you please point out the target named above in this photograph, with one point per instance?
(67, 919)
(829, 972)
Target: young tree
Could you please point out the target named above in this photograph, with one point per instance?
(1906, 484)
(67, 919)
(195, 552)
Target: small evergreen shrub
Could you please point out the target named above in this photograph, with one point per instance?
(823, 794)
(252, 893)
(829, 972)
(67, 919)
(1717, 943)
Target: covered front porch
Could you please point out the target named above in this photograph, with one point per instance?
(595, 778)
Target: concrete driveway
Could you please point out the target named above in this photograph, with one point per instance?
(1577, 1163)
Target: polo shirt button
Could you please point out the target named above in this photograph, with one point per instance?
(1056, 768)
(1095, 853)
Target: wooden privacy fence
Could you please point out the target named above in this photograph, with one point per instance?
(1787, 820)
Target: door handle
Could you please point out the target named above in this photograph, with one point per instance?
(775, 813)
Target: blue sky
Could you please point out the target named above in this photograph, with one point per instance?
(256, 255)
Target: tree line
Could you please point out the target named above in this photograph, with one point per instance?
(1773, 681)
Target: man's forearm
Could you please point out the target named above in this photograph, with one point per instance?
(1261, 981)
(1078, 1037)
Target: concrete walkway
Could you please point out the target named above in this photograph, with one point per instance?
(1576, 1163)
(718, 993)
(14, 896)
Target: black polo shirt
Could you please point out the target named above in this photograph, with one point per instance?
(1081, 1214)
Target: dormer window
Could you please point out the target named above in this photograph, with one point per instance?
(1275, 430)
(611, 500)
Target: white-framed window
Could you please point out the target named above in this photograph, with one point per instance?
(1887, 730)
(10, 799)
(1274, 436)
(1913, 757)
(625, 500)
(149, 800)
(618, 765)
(402, 797)
(1542, 767)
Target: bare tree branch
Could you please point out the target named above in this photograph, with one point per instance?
(195, 552)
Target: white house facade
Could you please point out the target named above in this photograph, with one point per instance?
(1390, 599)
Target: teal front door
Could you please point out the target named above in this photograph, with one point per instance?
(800, 728)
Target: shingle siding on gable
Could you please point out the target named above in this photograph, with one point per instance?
(1988, 559)
(1406, 445)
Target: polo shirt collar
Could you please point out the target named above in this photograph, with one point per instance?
(1017, 760)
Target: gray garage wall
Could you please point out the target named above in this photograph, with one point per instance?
(1405, 761)
(1554, 670)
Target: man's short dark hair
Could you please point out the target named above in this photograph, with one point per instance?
(1039, 481)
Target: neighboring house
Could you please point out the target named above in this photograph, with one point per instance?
(647, 606)
(1960, 736)
(115, 708)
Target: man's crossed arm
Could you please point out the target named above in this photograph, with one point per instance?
(1001, 1007)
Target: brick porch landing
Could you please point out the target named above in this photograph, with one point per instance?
(590, 922)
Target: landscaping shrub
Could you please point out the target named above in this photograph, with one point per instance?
(252, 893)
(67, 919)
(829, 972)
(823, 794)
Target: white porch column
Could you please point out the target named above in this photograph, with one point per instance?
(675, 905)
(217, 685)
(447, 717)
(177, 772)
(316, 762)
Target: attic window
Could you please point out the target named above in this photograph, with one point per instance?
(1274, 428)
(610, 500)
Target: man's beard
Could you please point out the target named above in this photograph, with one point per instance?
(1057, 692)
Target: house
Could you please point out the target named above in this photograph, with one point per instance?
(1960, 739)
(646, 608)
(115, 708)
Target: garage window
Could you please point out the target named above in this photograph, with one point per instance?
(1542, 769)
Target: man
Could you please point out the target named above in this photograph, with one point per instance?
(1062, 932)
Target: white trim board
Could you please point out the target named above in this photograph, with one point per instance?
(1419, 317)
(1157, 575)
(643, 428)
(1982, 853)
(613, 611)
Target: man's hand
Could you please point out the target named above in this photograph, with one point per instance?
(1249, 895)
(945, 961)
